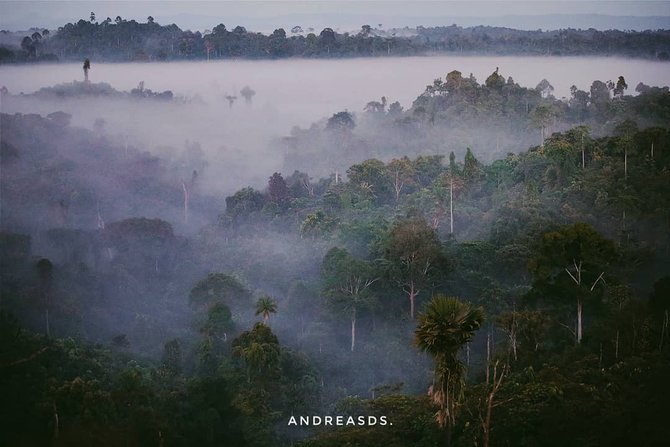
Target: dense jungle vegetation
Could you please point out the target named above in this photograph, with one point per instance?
(517, 301)
(129, 40)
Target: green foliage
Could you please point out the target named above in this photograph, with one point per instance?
(568, 246)
(259, 349)
(266, 306)
(317, 224)
(242, 205)
(444, 327)
(371, 178)
(562, 223)
(413, 257)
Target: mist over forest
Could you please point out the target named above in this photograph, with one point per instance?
(473, 248)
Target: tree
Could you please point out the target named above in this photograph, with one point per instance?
(495, 81)
(444, 327)
(219, 322)
(620, 87)
(578, 134)
(413, 257)
(248, 94)
(209, 46)
(347, 285)
(327, 38)
(579, 102)
(600, 96)
(572, 259)
(401, 173)
(266, 306)
(453, 80)
(472, 168)
(455, 180)
(317, 224)
(545, 88)
(243, 203)
(626, 131)
(542, 116)
(395, 109)
(259, 348)
(371, 177)
(231, 100)
(44, 270)
(341, 122)
(92, 17)
(278, 190)
(87, 67)
(28, 46)
(215, 328)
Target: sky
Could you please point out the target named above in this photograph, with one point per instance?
(266, 15)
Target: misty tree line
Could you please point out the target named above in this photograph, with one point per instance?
(536, 283)
(129, 40)
(493, 118)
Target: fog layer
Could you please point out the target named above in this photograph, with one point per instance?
(288, 93)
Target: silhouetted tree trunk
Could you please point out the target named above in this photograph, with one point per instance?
(486, 421)
(56, 424)
(44, 272)
(353, 330)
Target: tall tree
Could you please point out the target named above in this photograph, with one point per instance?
(248, 94)
(401, 173)
(544, 88)
(347, 285)
(371, 177)
(626, 131)
(542, 116)
(87, 67)
(413, 257)
(620, 87)
(445, 326)
(277, 189)
(572, 259)
(215, 330)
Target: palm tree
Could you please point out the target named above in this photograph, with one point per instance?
(444, 328)
(266, 306)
